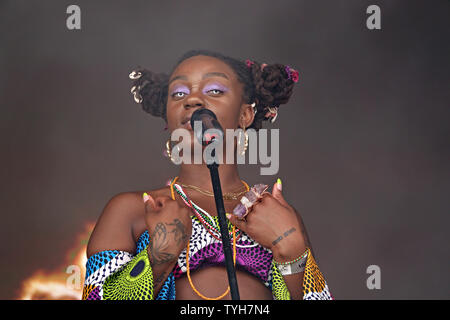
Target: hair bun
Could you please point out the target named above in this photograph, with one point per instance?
(274, 87)
(149, 89)
(274, 84)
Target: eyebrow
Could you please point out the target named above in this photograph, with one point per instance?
(206, 75)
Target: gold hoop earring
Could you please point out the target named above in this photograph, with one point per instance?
(168, 149)
(169, 152)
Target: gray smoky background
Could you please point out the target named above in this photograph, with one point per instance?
(364, 140)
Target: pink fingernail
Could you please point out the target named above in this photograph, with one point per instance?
(145, 196)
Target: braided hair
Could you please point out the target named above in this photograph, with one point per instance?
(268, 85)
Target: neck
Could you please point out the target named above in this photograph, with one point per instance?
(199, 176)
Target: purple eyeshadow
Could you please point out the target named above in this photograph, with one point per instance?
(185, 90)
(216, 86)
(180, 88)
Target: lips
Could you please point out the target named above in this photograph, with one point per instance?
(186, 123)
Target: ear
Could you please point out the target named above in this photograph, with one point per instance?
(246, 115)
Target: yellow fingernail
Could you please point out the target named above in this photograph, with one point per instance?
(279, 185)
(145, 196)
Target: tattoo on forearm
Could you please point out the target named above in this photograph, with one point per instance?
(284, 235)
(160, 240)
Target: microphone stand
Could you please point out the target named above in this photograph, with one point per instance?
(213, 170)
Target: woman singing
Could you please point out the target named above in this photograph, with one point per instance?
(165, 244)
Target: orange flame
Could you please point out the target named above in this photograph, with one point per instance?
(65, 283)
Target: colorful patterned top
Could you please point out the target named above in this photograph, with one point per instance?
(114, 274)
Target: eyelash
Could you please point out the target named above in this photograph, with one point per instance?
(173, 94)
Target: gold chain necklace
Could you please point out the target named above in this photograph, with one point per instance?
(226, 196)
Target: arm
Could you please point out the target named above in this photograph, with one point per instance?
(313, 283)
(277, 226)
(307, 285)
(163, 259)
(283, 251)
(110, 252)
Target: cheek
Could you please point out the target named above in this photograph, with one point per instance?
(228, 116)
(172, 116)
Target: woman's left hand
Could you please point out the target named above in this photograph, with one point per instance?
(275, 225)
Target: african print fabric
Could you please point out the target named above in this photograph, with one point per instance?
(114, 274)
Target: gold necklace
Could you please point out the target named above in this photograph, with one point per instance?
(188, 250)
(226, 196)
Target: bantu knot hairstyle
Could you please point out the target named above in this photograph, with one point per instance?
(150, 90)
(267, 85)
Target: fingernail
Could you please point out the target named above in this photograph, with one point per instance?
(279, 185)
(145, 196)
(228, 216)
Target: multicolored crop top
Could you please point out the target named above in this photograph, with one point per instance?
(114, 274)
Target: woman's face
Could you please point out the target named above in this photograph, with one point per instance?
(206, 82)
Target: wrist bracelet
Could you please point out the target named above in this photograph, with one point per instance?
(295, 260)
(294, 266)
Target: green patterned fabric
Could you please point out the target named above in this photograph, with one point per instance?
(279, 288)
(133, 282)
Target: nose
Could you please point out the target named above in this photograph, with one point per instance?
(194, 101)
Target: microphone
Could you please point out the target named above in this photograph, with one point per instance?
(210, 128)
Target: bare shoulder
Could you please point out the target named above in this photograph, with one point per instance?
(114, 227)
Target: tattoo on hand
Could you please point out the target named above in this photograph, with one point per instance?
(284, 235)
(158, 244)
(159, 241)
(178, 231)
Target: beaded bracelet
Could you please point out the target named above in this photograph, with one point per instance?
(293, 261)
(292, 267)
